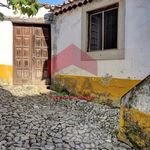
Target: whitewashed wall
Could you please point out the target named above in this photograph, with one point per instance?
(67, 30)
(6, 43)
(137, 39)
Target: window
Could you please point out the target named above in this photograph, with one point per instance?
(103, 30)
(103, 26)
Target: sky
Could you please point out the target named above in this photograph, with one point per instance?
(51, 1)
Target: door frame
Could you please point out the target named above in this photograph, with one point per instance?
(30, 25)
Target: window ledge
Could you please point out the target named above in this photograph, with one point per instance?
(105, 55)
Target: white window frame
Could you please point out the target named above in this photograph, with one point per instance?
(109, 54)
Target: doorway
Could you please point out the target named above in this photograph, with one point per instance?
(32, 50)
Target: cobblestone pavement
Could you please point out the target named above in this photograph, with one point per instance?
(36, 122)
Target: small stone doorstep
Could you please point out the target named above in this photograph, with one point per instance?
(30, 120)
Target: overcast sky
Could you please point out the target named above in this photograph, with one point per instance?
(51, 1)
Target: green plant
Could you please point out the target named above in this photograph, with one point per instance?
(116, 132)
(59, 88)
(29, 7)
(1, 16)
(136, 134)
(103, 98)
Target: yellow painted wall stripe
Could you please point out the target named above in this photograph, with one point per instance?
(115, 87)
(134, 125)
(6, 73)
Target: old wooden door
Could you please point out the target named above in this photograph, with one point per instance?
(31, 52)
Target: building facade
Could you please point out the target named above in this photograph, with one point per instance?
(114, 33)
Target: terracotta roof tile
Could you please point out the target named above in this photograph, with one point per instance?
(66, 6)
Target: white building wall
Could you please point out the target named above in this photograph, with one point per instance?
(67, 31)
(136, 64)
(6, 43)
(137, 37)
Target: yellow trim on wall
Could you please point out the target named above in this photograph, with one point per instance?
(6, 73)
(114, 88)
(134, 126)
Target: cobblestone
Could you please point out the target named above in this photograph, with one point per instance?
(30, 120)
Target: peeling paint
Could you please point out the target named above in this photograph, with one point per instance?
(83, 85)
(135, 116)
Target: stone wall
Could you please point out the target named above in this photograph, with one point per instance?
(135, 116)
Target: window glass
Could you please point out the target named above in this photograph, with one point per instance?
(103, 26)
(96, 32)
(110, 29)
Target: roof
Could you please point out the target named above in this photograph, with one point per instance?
(66, 6)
